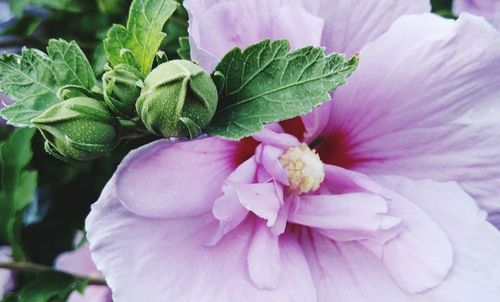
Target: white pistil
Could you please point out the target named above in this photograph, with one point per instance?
(305, 169)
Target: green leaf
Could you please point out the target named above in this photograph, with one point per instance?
(29, 80)
(70, 65)
(138, 43)
(184, 51)
(33, 78)
(17, 186)
(50, 287)
(266, 83)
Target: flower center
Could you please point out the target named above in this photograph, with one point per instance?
(305, 169)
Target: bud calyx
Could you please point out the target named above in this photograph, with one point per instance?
(178, 99)
(121, 90)
(78, 129)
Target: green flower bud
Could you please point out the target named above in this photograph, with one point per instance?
(178, 99)
(121, 90)
(78, 129)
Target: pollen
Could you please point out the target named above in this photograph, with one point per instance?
(305, 169)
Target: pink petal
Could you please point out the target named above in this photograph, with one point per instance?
(468, 154)
(279, 226)
(143, 258)
(77, 262)
(202, 57)
(421, 256)
(264, 261)
(419, 237)
(407, 98)
(270, 159)
(392, 117)
(228, 209)
(490, 9)
(339, 180)
(348, 271)
(316, 121)
(244, 173)
(218, 26)
(347, 33)
(292, 20)
(92, 294)
(6, 278)
(475, 275)
(273, 137)
(263, 175)
(230, 213)
(350, 25)
(495, 219)
(261, 199)
(175, 179)
(352, 213)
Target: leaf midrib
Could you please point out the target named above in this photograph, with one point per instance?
(243, 85)
(63, 56)
(27, 75)
(144, 46)
(279, 89)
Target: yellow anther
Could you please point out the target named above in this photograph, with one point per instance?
(305, 169)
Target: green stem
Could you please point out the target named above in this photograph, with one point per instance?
(33, 268)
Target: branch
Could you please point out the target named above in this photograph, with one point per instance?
(33, 268)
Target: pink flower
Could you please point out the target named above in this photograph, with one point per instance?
(490, 9)
(79, 262)
(6, 278)
(383, 210)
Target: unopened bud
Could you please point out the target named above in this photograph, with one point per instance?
(178, 99)
(121, 90)
(78, 130)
